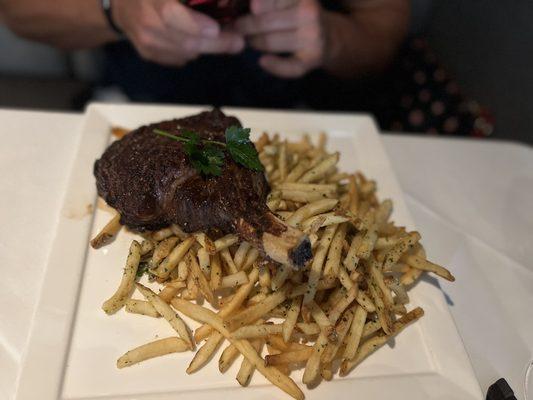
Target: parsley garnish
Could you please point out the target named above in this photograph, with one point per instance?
(207, 160)
(241, 148)
(207, 156)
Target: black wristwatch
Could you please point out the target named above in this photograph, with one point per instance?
(106, 8)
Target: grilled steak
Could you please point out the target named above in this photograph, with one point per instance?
(148, 179)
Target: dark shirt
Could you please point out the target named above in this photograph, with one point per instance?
(224, 80)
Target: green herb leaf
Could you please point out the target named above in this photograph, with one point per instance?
(190, 136)
(168, 135)
(142, 269)
(245, 155)
(207, 160)
(216, 156)
(242, 150)
(190, 142)
(236, 134)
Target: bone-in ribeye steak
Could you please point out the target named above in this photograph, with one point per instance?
(149, 180)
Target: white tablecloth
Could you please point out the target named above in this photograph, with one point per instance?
(471, 200)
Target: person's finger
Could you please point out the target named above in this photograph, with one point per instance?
(264, 6)
(183, 19)
(225, 43)
(283, 67)
(163, 50)
(277, 42)
(170, 58)
(275, 21)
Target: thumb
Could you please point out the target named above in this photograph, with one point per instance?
(184, 19)
(265, 6)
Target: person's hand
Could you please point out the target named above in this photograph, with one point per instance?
(167, 32)
(286, 26)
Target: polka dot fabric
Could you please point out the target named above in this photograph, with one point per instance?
(429, 100)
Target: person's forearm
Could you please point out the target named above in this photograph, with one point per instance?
(367, 39)
(69, 24)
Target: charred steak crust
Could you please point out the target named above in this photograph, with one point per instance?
(148, 179)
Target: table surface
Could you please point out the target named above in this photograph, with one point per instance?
(470, 199)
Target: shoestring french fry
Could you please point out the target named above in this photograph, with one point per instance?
(289, 357)
(126, 287)
(404, 244)
(164, 269)
(338, 308)
(374, 343)
(205, 242)
(310, 210)
(351, 259)
(331, 266)
(171, 290)
(298, 170)
(385, 243)
(251, 258)
(225, 242)
(256, 331)
(158, 348)
(204, 260)
(255, 312)
(367, 243)
(247, 367)
(216, 272)
(302, 196)
(166, 312)
(257, 298)
(322, 220)
(320, 170)
(231, 268)
(309, 329)
(240, 254)
(410, 276)
(265, 279)
(162, 234)
(318, 262)
(227, 358)
(365, 302)
(383, 312)
(234, 280)
(282, 161)
(326, 189)
(141, 307)
(341, 329)
(355, 333)
(232, 305)
(344, 278)
(200, 279)
(203, 355)
(292, 318)
(281, 276)
(277, 342)
(162, 250)
(425, 265)
(180, 233)
(327, 328)
(377, 277)
(108, 233)
(147, 246)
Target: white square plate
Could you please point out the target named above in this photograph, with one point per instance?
(74, 345)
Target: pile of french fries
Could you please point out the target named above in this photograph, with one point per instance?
(348, 302)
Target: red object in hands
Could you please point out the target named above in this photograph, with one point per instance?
(221, 10)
